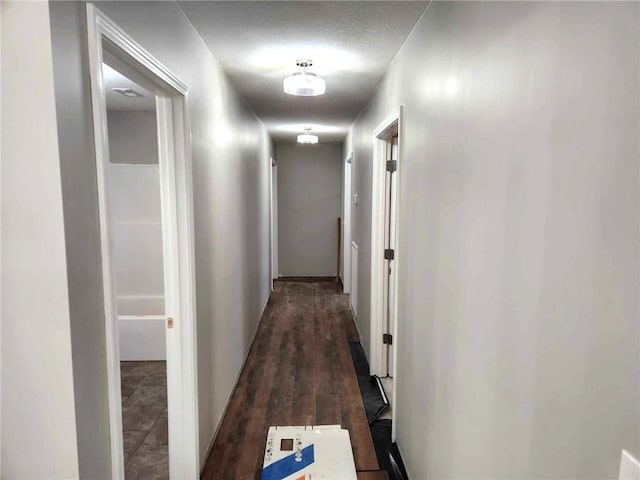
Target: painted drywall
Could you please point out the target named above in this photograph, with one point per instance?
(309, 186)
(518, 336)
(231, 151)
(134, 198)
(38, 415)
(133, 137)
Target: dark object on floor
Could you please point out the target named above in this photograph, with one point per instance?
(374, 401)
(387, 452)
(385, 399)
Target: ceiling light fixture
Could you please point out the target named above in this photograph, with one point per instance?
(304, 83)
(306, 137)
(127, 92)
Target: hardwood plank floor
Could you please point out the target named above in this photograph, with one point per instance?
(299, 372)
(373, 476)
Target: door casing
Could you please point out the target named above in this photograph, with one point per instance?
(108, 41)
(378, 351)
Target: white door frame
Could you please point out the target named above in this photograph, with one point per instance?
(353, 295)
(106, 39)
(347, 189)
(273, 206)
(378, 360)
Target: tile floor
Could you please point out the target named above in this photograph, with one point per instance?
(144, 420)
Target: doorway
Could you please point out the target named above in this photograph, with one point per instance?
(347, 199)
(274, 221)
(146, 226)
(135, 222)
(387, 160)
(390, 213)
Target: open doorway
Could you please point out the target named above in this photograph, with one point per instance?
(274, 220)
(384, 250)
(135, 220)
(347, 200)
(144, 188)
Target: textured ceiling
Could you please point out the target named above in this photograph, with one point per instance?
(351, 44)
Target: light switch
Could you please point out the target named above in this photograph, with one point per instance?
(629, 467)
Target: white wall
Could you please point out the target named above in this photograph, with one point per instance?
(518, 337)
(309, 186)
(134, 198)
(38, 417)
(231, 151)
(133, 137)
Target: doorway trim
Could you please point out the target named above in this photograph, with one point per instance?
(378, 360)
(106, 39)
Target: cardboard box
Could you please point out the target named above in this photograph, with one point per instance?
(308, 453)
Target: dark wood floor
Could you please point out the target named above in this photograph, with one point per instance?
(299, 372)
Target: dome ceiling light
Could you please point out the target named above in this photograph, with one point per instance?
(304, 83)
(306, 137)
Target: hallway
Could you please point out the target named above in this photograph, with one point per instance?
(469, 171)
(299, 372)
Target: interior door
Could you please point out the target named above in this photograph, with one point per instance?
(390, 247)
